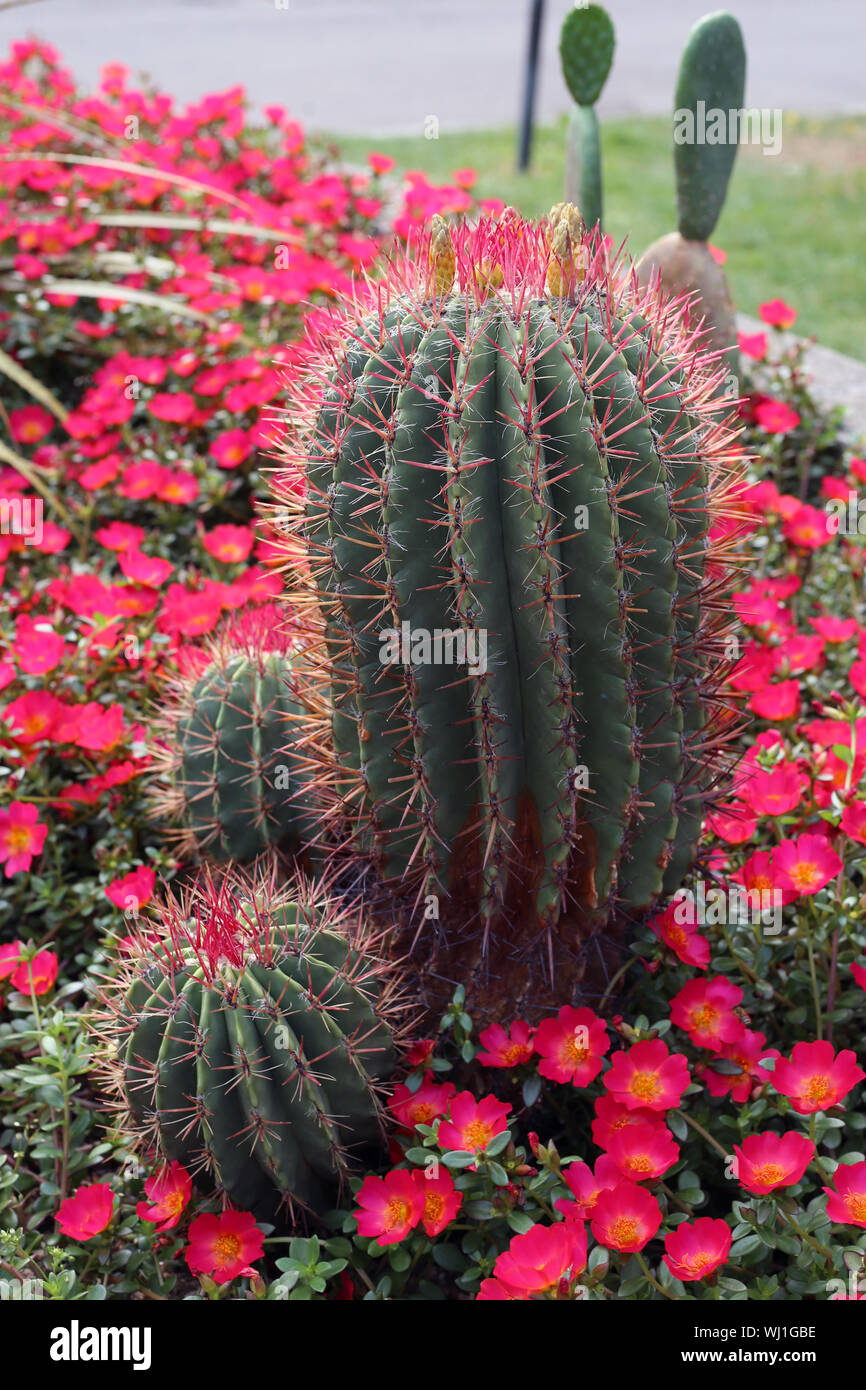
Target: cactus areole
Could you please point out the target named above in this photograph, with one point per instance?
(512, 457)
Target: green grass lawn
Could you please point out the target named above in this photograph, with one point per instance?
(793, 225)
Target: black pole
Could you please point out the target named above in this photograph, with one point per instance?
(535, 21)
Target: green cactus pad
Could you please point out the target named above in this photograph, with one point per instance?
(712, 71)
(586, 45)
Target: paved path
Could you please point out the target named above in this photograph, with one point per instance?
(384, 66)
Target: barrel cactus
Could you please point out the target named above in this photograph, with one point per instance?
(586, 45)
(228, 748)
(710, 86)
(512, 459)
(247, 1036)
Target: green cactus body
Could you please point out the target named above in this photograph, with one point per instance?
(537, 467)
(228, 753)
(250, 1044)
(586, 47)
(712, 77)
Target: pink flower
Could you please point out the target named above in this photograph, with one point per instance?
(815, 1078)
(572, 1046)
(805, 865)
(87, 1213)
(472, 1124)
(696, 1250)
(777, 313)
(133, 890)
(22, 836)
(506, 1049)
(390, 1207)
(776, 417)
(37, 975)
(705, 1010)
(647, 1076)
(768, 1161)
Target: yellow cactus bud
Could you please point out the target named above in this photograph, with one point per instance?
(567, 267)
(442, 258)
(489, 278)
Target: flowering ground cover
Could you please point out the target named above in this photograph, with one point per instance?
(695, 1135)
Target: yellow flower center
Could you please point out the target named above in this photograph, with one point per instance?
(805, 873)
(645, 1085)
(228, 1249)
(396, 1213)
(639, 1163)
(855, 1204)
(17, 838)
(477, 1134)
(768, 1173)
(623, 1230)
(434, 1206)
(817, 1088)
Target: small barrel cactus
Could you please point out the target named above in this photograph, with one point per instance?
(710, 86)
(228, 747)
(586, 45)
(512, 460)
(247, 1036)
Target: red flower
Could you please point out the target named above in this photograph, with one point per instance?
(506, 1049)
(847, 1203)
(21, 836)
(643, 1152)
(421, 1107)
(145, 569)
(472, 1124)
(626, 1217)
(586, 1185)
(572, 1046)
(439, 1197)
(776, 417)
(10, 955)
(806, 864)
(30, 424)
(753, 345)
(748, 1052)
(815, 1078)
(611, 1116)
(38, 649)
(681, 936)
(768, 1161)
(776, 792)
(419, 1053)
(778, 701)
(87, 1213)
(537, 1259)
(169, 1192)
(133, 890)
(231, 448)
(696, 1250)
(647, 1076)
(120, 535)
(231, 544)
(37, 975)
(390, 1207)
(380, 163)
(223, 1246)
(859, 973)
(777, 313)
(705, 1009)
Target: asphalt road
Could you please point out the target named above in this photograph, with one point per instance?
(387, 66)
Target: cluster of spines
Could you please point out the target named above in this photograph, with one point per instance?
(247, 1035)
(648, 388)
